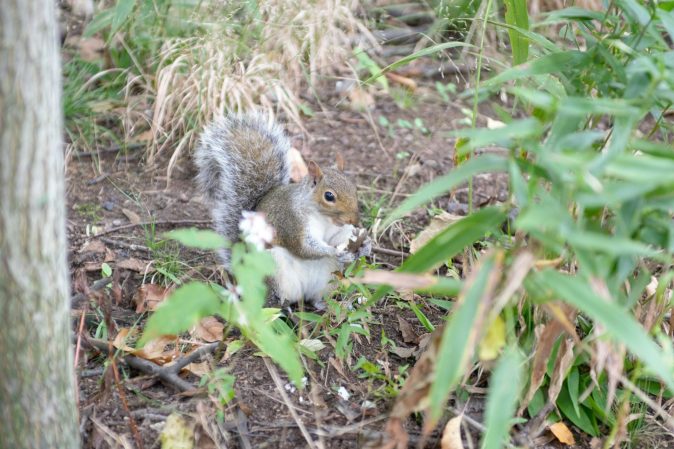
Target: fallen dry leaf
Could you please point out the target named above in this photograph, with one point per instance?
(451, 435)
(406, 329)
(298, 168)
(562, 433)
(133, 217)
(404, 81)
(399, 281)
(493, 340)
(149, 296)
(563, 363)
(156, 351)
(437, 225)
(177, 433)
(403, 353)
(360, 100)
(134, 264)
(199, 369)
(208, 329)
(93, 246)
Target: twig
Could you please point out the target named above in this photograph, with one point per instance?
(98, 285)
(129, 246)
(113, 149)
(150, 223)
(390, 252)
(125, 404)
(167, 374)
(279, 386)
(242, 429)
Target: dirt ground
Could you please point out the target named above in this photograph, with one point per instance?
(108, 194)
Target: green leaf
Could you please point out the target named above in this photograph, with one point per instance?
(122, 12)
(573, 384)
(620, 324)
(455, 351)
(198, 238)
(282, 350)
(454, 239)
(101, 20)
(667, 20)
(483, 164)
(609, 244)
(504, 390)
(553, 63)
(573, 13)
(421, 317)
(516, 15)
(516, 130)
(182, 310)
(635, 10)
(583, 420)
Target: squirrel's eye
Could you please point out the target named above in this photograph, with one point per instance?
(329, 196)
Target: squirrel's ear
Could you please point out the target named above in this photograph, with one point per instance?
(339, 162)
(315, 172)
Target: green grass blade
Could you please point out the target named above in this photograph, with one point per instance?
(504, 389)
(483, 164)
(454, 239)
(456, 349)
(416, 55)
(516, 14)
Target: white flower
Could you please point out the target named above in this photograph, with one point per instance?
(255, 229)
(343, 393)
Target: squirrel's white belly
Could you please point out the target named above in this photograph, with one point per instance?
(298, 279)
(309, 279)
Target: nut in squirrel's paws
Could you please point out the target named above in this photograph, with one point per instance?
(358, 245)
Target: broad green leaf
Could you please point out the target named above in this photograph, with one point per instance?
(101, 20)
(504, 389)
(583, 420)
(454, 239)
(516, 130)
(553, 63)
(516, 14)
(609, 244)
(582, 107)
(573, 384)
(282, 350)
(182, 310)
(455, 350)
(416, 55)
(620, 324)
(198, 238)
(486, 163)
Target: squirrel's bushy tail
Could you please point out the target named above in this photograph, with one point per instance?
(240, 158)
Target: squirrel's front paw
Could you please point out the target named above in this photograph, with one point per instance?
(344, 256)
(365, 248)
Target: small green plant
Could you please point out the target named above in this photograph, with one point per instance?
(90, 211)
(219, 384)
(240, 304)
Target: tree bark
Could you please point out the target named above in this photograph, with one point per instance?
(37, 384)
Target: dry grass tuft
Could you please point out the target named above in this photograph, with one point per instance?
(263, 64)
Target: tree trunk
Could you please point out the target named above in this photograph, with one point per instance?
(37, 394)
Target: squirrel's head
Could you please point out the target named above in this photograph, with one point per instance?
(334, 193)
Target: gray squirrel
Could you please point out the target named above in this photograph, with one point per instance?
(243, 165)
